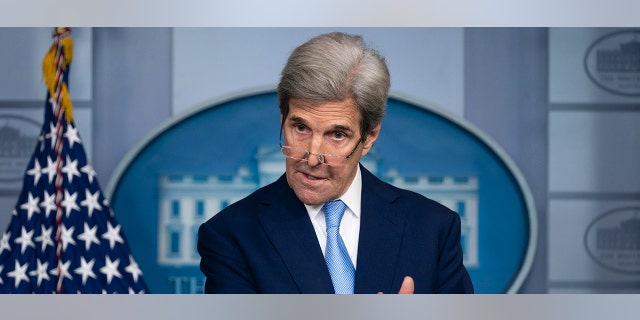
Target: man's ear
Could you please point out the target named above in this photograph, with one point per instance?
(372, 136)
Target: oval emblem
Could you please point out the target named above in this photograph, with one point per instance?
(613, 62)
(204, 160)
(18, 136)
(613, 240)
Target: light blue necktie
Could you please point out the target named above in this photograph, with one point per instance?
(340, 267)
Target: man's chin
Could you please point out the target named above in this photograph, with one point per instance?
(311, 198)
(310, 191)
(311, 201)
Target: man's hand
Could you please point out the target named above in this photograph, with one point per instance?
(407, 286)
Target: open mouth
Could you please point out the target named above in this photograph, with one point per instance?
(310, 177)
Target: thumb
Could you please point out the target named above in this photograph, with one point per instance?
(407, 286)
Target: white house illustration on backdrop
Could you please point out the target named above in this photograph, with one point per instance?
(186, 201)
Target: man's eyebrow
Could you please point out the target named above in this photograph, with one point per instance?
(342, 128)
(297, 119)
(337, 127)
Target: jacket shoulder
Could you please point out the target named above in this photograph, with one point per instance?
(248, 207)
(407, 200)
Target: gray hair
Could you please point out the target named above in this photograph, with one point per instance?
(335, 67)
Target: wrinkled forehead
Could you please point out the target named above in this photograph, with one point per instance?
(340, 113)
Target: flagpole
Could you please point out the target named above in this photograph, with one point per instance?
(56, 102)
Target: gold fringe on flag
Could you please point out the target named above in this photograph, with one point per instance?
(50, 69)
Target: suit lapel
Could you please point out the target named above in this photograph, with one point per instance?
(380, 237)
(286, 223)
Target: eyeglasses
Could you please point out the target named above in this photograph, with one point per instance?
(324, 158)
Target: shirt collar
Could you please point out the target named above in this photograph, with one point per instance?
(352, 198)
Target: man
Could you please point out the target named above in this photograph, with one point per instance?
(328, 225)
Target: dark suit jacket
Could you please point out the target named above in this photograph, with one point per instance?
(265, 243)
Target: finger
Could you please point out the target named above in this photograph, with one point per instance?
(407, 286)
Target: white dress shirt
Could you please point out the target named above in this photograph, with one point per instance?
(350, 224)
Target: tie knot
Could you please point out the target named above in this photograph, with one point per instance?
(333, 211)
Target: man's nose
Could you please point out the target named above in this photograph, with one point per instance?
(315, 149)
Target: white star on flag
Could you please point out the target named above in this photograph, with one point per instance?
(52, 134)
(110, 269)
(71, 169)
(113, 235)
(91, 201)
(89, 236)
(69, 202)
(88, 169)
(45, 238)
(41, 139)
(67, 237)
(25, 240)
(50, 169)
(72, 135)
(64, 270)
(4, 242)
(41, 271)
(19, 273)
(31, 206)
(85, 270)
(48, 203)
(36, 171)
(133, 269)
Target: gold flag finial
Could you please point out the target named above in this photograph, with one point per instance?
(56, 61)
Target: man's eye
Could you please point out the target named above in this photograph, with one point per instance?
(339, 135)
(300, 127)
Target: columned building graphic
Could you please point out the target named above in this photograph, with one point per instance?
(14, 144)
(625, 236)
(625, 59)
(187, 200)
(16, 148)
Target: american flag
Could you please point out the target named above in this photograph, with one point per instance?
(63, 236)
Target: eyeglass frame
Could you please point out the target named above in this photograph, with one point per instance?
(321, 156)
